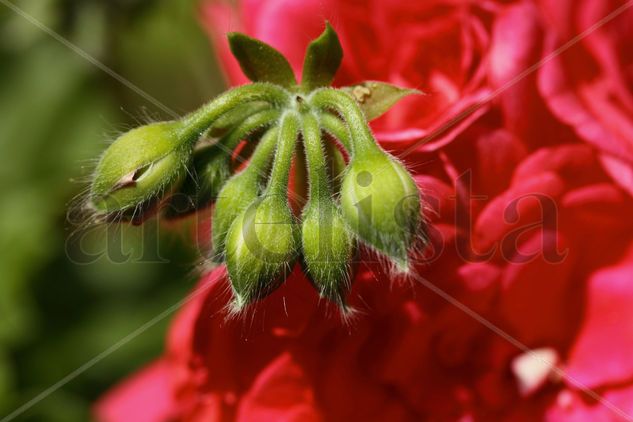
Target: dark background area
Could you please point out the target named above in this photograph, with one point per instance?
(65, 295)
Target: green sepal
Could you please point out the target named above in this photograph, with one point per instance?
(376, 98)
(260, 62)
(322, 60)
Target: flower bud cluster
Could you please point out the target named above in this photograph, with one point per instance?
(367, 198)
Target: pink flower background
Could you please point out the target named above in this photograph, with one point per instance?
(524, 312)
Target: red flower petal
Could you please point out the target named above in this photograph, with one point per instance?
(602, 353)
(145, 397)
(281, 392)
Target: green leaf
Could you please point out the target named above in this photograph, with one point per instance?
(260, 62)
(322, 60)
(376, 98)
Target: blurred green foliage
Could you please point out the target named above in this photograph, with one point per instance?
(60, 307)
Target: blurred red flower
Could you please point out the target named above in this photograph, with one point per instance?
(523, 307)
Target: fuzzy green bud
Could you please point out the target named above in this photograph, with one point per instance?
(262, 242)
(241, 190)
(237, 194)
(381, 204)
(261, 246)
(140, 166)
(327, 244)
(327, 249)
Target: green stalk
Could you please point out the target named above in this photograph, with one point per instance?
(195, 124)
(335, 127)
(289, 128)
(249, 125)
(363, 141)
(229, 120)
(327, 245)
(319, 183)
(260, 160)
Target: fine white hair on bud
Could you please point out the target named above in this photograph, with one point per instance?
(326, 242)
(381, 203)
(138, 167)
(327, 247)
(262, 243)
(261, 246)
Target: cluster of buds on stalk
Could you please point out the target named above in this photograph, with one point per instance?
(357, 193)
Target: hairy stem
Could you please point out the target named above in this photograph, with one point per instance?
(260, 160)
(236, 116)
(289, 128)
(195, 124)
(329, 98)
(249, 125)
(319, 183)
(335, 127)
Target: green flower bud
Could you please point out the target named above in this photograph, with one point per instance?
(262, 242)
(261, 246)
(140, 166)
(381, 204)
(327, 244)
(237, 194)
(241, 190)
(327, 249)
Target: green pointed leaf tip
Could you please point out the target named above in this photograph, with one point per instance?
(260, 62)
(376, 98)
(138, 166)
(322, 60)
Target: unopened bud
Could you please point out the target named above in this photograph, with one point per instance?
(140, 166)
(261, 246)
(327, 249)
(381, 204)
(237, 194)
